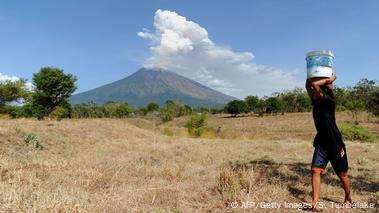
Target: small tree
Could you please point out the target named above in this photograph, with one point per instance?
(52, 87)
(59, 113)
(166, 116)
(122, 111)
(273, 105)
(252, 103)
(12, 91)
(353, 102)
(373, 101)
(236, 107)
(364, 87)
(302, 102)
(197, 124)
(176, 108)
(288, 100)
(295, 100)
(151, 107)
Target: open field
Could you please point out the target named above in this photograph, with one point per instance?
(116, 165)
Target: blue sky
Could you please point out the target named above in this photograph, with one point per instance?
(97, 40)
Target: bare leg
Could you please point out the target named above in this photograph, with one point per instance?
(346, 186)
(316, 182)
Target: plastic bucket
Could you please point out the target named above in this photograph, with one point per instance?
(319, 64)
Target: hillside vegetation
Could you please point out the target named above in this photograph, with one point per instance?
(122, 165)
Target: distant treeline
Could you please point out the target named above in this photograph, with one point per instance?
(364, 96)
(52, 88)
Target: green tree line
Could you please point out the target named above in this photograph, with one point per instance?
(52, 87)
(364, 96)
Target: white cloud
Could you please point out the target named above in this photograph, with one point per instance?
(183, 46)
(4, 77)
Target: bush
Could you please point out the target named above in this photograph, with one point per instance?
(166, 116)
(13, 111)
(273, 105)
(12, 91)
(357, 133)
(197, 124)
(32, 138)
(122, 111)
(373, 102)
(59, 113)
(89, 110)
(236, 107)
(151, 107)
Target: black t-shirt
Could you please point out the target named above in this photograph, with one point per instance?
(328, 135)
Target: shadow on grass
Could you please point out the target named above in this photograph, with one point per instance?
(295, 174)
(238, 116)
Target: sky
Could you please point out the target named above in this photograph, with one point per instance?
(240, 47)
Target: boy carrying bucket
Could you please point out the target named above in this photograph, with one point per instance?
(328, 143)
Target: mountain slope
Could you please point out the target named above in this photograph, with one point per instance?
(154, 85)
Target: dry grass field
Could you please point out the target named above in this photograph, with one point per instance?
(120, 165)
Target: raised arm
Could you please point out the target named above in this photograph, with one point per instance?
(315, 85)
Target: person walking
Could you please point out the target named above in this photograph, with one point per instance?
(328, 143)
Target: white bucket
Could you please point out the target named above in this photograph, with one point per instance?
(319, 64)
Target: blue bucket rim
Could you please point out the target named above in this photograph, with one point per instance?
(319, 53)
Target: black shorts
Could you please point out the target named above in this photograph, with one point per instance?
(321, 157)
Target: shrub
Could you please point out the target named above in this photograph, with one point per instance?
(12, 91)
(197, 124)
(166, 116)
(13, 111)
(373, 102)
(151, 107)
(32, 138)
(177, 108)
(357, 133)
(122, 111)
(273, 105)
(236, 107)
(252, 103)
(59, 113)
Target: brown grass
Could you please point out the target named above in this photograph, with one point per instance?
(110, 165)
(291, 126)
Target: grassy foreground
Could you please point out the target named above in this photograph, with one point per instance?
(109, 165)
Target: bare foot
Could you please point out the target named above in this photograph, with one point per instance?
(315, 207)
(348, 203)
(348, 200)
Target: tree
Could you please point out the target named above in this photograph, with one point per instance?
(236, 107)
(356, 99)
(302, 102)
(12, 91)
(151, 107)
(295, 100)
(176, 108)
(252, 103)
(363, 90)
(122, 111)
(197, 124)
(288, 100)
(273, 104)
(341, 96)
(364, 86)
(373, 101)
(60, 112)
(52, 87)
(92, 110)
